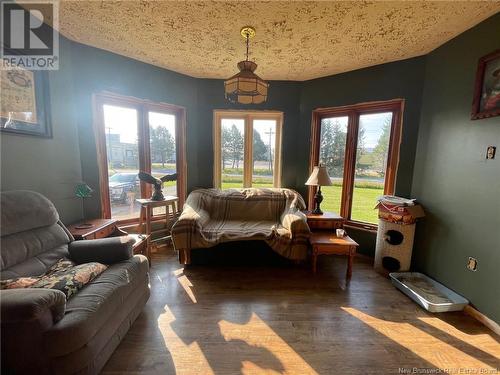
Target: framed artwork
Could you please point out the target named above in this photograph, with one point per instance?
(486, 102)
(24, 103)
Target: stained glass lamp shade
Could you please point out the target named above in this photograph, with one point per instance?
(83, 191)
(246, 87)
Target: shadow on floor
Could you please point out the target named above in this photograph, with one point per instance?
(243, 312)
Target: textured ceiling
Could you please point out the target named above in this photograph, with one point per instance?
(294, 41)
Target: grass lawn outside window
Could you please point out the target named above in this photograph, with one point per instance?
(366, 196)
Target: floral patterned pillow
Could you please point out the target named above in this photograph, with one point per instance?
(65, 275)
(21, 282)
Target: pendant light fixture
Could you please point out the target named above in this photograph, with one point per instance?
(246, 87)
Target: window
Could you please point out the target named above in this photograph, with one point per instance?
(247, 149)
(359, 145)
(135, 135)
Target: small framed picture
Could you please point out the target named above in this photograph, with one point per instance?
(24, 104)
(486, 102)
(491, 152)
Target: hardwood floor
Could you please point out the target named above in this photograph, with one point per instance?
(280, 319)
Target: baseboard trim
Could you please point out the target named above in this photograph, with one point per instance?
(479, 316)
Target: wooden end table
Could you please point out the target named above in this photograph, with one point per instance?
(93, 229)
(328, 243)
(102, 228)
(326, 221)
(141, 245)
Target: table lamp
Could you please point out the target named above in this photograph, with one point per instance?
(83, 191)
(319, 177)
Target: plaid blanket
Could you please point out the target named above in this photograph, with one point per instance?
(212, 216)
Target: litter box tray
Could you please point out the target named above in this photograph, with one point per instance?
(428, 293)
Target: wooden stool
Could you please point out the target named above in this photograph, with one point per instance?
(147, 206)
(328, 243)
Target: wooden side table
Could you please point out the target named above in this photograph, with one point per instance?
(327, 221)
(140, 245)
(92, 229)
(147, 206)
(102, 228)
(329, 244)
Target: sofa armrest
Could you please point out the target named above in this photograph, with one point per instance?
(27, 315)
(190, 222)
(296, 222)
(104, 250)
(197, 216)
(191, 218)
(47, 306)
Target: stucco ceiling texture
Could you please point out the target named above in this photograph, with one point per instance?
(297, 40)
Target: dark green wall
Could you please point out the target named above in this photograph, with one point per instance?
(94, 71)
(283, 96)
(49, 166)
(402, 79)
(459, 189)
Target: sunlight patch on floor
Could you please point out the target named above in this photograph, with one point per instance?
(424, 345)
(488, 342)
(256, 333)
(187, 286)
(186, 356)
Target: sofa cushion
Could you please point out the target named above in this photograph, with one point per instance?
(65, 275)
(22, 210)
(37, 265)
(68, 277)
(92, 306)
(254, 204)
(234, 230)
(34, 247)
(19, 282)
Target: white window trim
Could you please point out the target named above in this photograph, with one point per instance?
(248, 117)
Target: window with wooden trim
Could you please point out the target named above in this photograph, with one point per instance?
(359, 144)
(135, 135)
(247, 149)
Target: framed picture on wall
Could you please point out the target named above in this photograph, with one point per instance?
(486, 102)
(24, 103)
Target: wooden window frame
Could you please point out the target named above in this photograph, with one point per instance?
(142, 106)
(396, 106)
(248, 117)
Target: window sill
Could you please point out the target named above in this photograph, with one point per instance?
(367, 227)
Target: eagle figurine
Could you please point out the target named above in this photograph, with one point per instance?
(157, 183)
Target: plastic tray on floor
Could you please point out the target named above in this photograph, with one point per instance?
(428, 293)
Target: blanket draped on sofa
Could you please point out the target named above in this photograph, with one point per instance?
(212, 216)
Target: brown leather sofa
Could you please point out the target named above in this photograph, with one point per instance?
(41, 332)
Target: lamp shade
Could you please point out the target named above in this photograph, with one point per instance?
(83, 190)
(319, 177)
(246, 87)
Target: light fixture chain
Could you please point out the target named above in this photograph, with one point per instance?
(247, 44)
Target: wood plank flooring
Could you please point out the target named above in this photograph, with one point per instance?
(280, 319)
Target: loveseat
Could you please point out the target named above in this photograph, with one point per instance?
(43, 332)
(212, 216)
